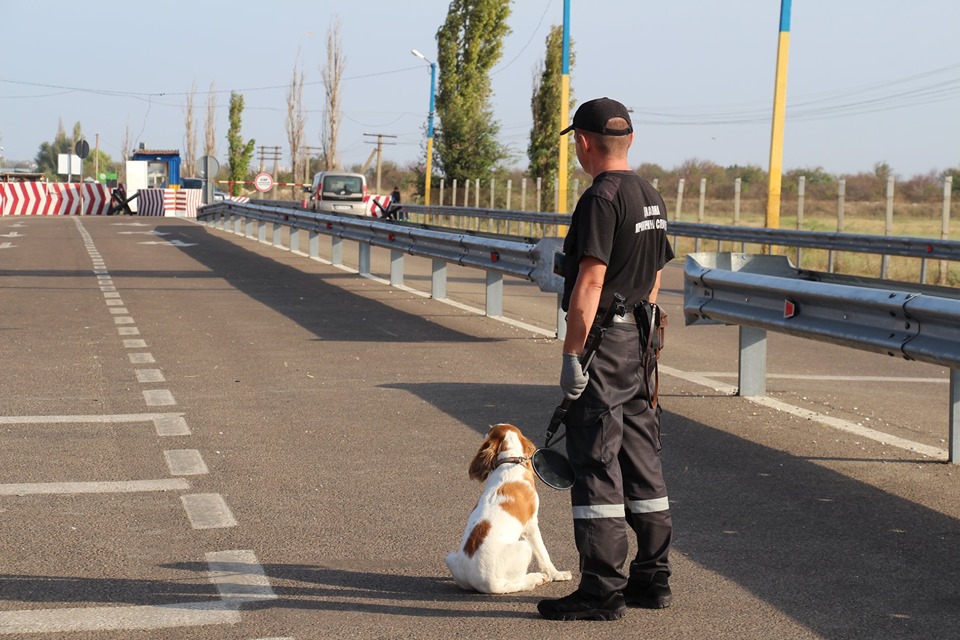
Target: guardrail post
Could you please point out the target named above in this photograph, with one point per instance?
(277, 234)
(313, 244)
(336, 251)
(753, 362)
(262, 230)
(438, 286)
(396, 267)
(363, 258)
(561, 318)
(700, 211)
(954, 450)
(945, 224)
(801, 189)
(295, 239)
(887, 227)
(494, 294)
(248, 231)
(238, 221)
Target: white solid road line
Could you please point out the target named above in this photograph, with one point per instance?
(823, 419)
(127, 618)
(71, 488)
(108, 418)
(237, 575)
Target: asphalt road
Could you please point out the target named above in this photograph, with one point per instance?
(203, 436)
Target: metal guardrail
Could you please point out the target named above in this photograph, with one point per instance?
(766, 293)
(497, 257)
(758, 293)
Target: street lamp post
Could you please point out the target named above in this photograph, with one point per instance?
(433, 91)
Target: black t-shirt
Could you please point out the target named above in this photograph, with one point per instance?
(622, 221)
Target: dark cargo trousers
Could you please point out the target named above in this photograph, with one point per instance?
(613, 442)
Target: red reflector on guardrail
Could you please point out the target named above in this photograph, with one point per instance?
(789, 308)
(494, 256)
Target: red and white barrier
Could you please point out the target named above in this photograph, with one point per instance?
(53, 199)
(373, 209)
(96, 198)
(169, 202)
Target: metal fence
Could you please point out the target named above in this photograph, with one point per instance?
(766, 293)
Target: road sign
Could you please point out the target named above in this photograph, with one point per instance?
(263, 182)
(207, 167)
(82, 149)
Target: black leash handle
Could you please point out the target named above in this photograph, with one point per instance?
(619, 308)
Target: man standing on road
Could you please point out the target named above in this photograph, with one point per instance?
(617, 243)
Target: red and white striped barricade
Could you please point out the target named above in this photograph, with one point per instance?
(52, 199)
(169, 202)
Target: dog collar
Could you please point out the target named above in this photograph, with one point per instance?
(513, 460)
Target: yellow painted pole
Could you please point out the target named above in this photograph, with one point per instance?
(779, 115)
(562, 204)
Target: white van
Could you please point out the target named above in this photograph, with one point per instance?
(333, 192)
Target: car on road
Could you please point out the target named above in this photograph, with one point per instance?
(334, 192)
(197, 183)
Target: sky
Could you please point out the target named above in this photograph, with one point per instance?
(868, 80)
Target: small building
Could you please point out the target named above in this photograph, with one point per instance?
(163, 166)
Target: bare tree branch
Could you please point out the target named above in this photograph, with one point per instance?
(296, 121)
(210, 134)
(190, 158)
(332, 77)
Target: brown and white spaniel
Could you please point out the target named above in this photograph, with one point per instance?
(502, 533)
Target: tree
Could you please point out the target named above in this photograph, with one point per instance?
(543, 151)
(190, 159)
(210, 134)
(239, 152)
(332, 76)
(47, 157)
(469, 43)
(296, 121)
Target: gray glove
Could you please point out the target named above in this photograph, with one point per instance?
(573, 379)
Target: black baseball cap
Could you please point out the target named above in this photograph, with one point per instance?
(593, 115)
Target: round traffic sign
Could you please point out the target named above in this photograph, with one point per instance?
(263, 182)
(82, 148)
(207, 167)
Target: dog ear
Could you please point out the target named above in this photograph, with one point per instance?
(483, 462)
(528, 447)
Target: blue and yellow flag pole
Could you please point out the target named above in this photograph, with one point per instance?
(564, 111)
(779, 114)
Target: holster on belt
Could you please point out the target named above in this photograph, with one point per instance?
(652, 324)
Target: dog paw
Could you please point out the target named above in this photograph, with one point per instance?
(561, 576)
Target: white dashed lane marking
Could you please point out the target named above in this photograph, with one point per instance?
(185, 462)
(149, 375)
(158, 398)
(208, 511)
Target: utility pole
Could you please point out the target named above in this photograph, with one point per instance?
(379, 153)
(269, 153)
(309, 151)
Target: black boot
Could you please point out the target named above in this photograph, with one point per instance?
(581, 606)
(653, 593)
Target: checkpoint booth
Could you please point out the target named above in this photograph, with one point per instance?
(154, 175)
